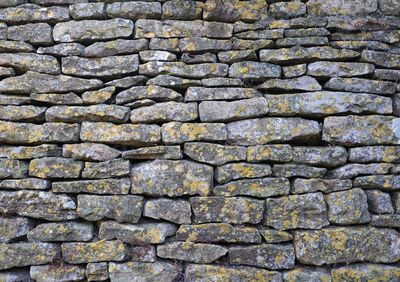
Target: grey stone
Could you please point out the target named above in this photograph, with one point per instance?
(6, 72)
(307, 32)
(156, 152)
(116, 47)
(181, 10)
(63, 49)
(222, 93)
(381, 59)
(201, 44)
(307, 273)
(379, 202)
(153, 92)
(14, 100)
(260, 153)
(382, 182)
(38, 33)
(290, 170)
(302, 41)
(86, 11)
(24, 14)
(57, 98)
(107, 169)
(166, 44)
(97, 271)
(15, 275)
(127, 82)
(164, 112)
(30, 152)
(217, 10)
(261, 34)
(98, 96)
(352, 170)
(44, 273)
(173, 81)
(233, 171)
(321, 156)
(190, 58)
(106, 186)
(54, 167)
(176, 211)
(65, 231)
(254, 70)
(337, 7)
(385, 220)
(275, 236)
(90, 152)
(361, 85)
(31, 62)
(294, 71)
(242, 44)
(385, 74)
(301, 185)
(302, 83)
(13, 228)
(25, 183)
(287, 10)
(342, 69)
(178, 132)
(366, 271)
(154, 55)
(390, 154)
(134, 10)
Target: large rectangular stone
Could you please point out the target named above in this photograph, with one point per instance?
(341, 7)
(18, 15)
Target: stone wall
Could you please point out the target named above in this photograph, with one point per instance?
(199, 141)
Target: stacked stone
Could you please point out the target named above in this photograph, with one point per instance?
(215, 140)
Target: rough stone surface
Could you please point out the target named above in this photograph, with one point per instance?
(301, 185)
(52, 167)
(163, 112)
(366, 271)
(38, 33)
(13, 228)
(200, 93)
(106, 186)
(254, 70)
(90, 152)
(178, 132)
(50, 272)
(67, 231)
(177, 211)
(233, 171)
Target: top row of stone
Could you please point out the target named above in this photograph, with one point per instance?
(210, 10)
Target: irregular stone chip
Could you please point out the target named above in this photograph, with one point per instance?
(134, 10)
(6, 72)
(144, 271)
(287, 10)
(201, 44)
(305, 54)
(37, 204)
(202, 93)
(116, 47)
(361, 130)
(323, 103)
(156, 152)
(97, 271)
(3, 31)
(153, 92)
(361, 85)
(192, 252)
(266, 130)
(322, 156)
(390, 154)
(260, 188)
(38, 33)
(352, 170)
(294, 71)
(44, 273)
(177, 132)
(175, 28)
(278, 153)
(127, 82)
(342, 69)
(205, 70)
(254, 70)
(301, 185)
(236, 210)
(271, 256)
(125, 208)
(13, 228)
(104, 186)
(379, 202)
(347, 244)
(307, 273)
(31, 62)
(383, 182)
(90, 152)
(304, 83)
(13, 169)
(232, 171)
(306, 211)
(87, 11)
(34, 82)
(389, 7)
(91, 30)
(339, 7)
(57, 99)
(148, 233)
(53, 167)
(164, 112)
(98, 251)
(24, 14)
(214, 154)
(218, 10)
(366, 272)
(107, 169)
(123, 134)
(26, 254)
(275, 236)
(382, 59)
(212, 111)
(63, 49)
(65, 231)
(98, 96)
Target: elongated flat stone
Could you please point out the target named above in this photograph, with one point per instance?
(177, 211)
(57, 99)
(172, 178)
(390, 154)
(156, 152)
(164, 112)
(302, 41)
(382, 182)
(87, 11)
(22, 113)
(361, 85)
(13, 228)
(322, 156)
(106, 186)
(201, 44)
(266, 130)
(153, 92)
(63, 49)
(237, 56)
(68, 273)
(173, 81)
(342, 69)
(18, 15)
(134, 10)
(201, 94)
(301, 185)
(307, 273)
(254, 70)
(278, 152)
(98, 96)
(31, 62)
(261, 34)
(343, 244)
(352, 170)
(107, 169)
(53, 167)
(233, 171)
(216, 10)
(25, 183)
(382, 59)
(124, 134)
(116, 47)
(175, 10)
(366, 271)
(291, 170)
(58, 232)
(338, 7)
(275, 236)
(178, 132)
(90, 152)
(33, 33)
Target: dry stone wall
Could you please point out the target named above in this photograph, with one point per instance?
(199, 140)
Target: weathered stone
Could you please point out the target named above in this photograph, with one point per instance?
(44, 273)
(242, 44)
(37, 204)
(193, 252)
(261, 188)
(390, 154)
(25, 183)
(236, 210)
(379, 202)
(301, 185)
(134, 10)
(157, 271)
(164, 112)
(322, 156)
(85, 11)
(166, 44)
(155, 93)
(90, 152)
(360, 45)
(190, 58)
(147, 233)
(34, 82)
(177, 132)
(124, 134)
(181, 69)
(25, 254)
(294, 71)
(386, 36)
(266, 130)
(364, 23)
(261, 34)
(218, 232)
(14, 47)
(347, 207)
(173, 81)
(22, 113)
(390, 7)
(181, 10)
(31, 62)
(212, 111)
(127, 82)
(11, 3)
(98, 96)
(307, 32)
(107, 169)
(302, 41)
(271, 256)
(57, 99)
(346, 244)
(305, 54)
(223, 81)
(18, 15)
(361, 130)
(24, 152)
(3, 31)
(177, 211)
(366, 272)
(13, 228)
(254, 70)
(152, 55)
(66, 231)
(201, 94)
(385, 74)
(383, 182)
(175, 28)
(287, 10)
(115, 47)
(156, 152)
(322, 103)
(53, 167)
(6, 72)
(382, 59)
(206, 272)
(14, 100)
(303, 83)
(239, 170)
(214, 154)
(63, 49)
(277, 153)
(172, 178)
(237, 56)
(361, 85)
(352, 170)
(15, 275)
(90, 30)
(396, 202)
(126, 208)
(275, 236)
(97, 271)
(342, 69)
(143, 252)
(291, 170)
(339, 7)
(385, 220)
(106, 186)
(217, 10)
(307, 274)
(306, 211)
(201, 44)
(98, 251)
